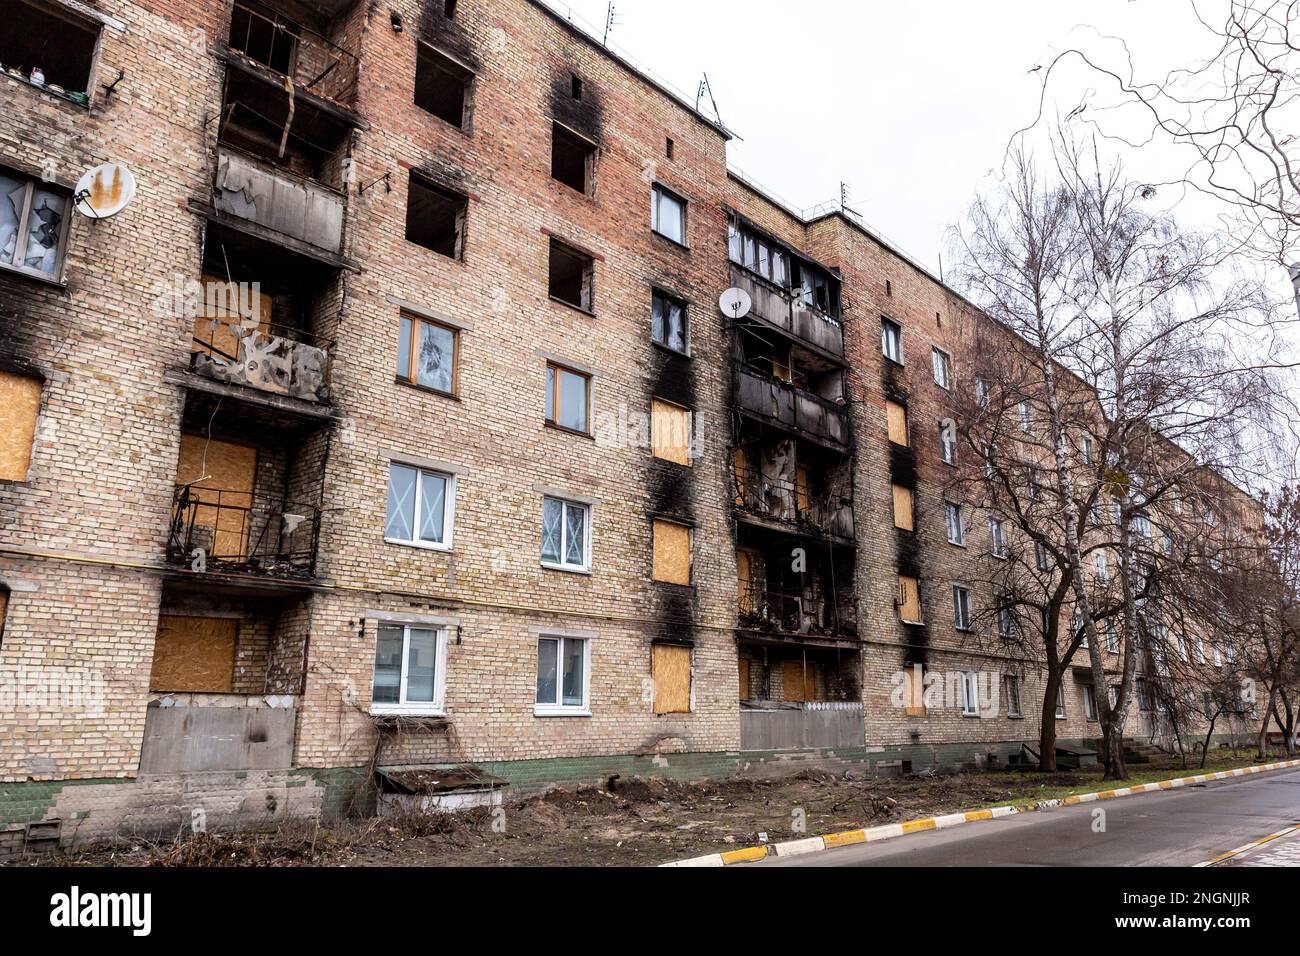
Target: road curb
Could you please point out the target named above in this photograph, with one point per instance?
(830, 841)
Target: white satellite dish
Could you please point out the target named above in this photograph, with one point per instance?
(104, 191)
(735, 303)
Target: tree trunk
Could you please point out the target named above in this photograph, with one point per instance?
(1047, 726)
(1205, 747)
(1262, 754)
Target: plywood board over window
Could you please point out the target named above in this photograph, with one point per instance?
(896, 419)
(743, 667)
(800, 680)
(670, 666)
(227, 304)
(20, 397)
(909, 599)
(194, 654)
(671, 425)
(914, 691)
(222, 473)
(904, 508)
(672, 552)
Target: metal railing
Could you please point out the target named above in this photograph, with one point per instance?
(783, 500)
(280, 44)
(239, 532)
(763, 609)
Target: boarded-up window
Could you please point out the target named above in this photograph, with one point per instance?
(914, 691)
(222, 475)
(909, 599)
(671, 425)
(903, 508)
(671, 669)
(227, 305)
(744, 582)
(801, 485)
(744, 476)
(800, 680)
(194, 654)
(743, 665)
(896, 418)
(20, 397)
(672, 552)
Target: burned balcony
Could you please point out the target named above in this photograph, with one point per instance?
(267, 40)
(807, 611)
(809, 598)
(278, 200)
(781, 403)
(238, 532)
(772, 484)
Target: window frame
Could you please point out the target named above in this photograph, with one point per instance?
(941, 360)
(658, 191)
(1011, 691)
(1090, 703)
(963, 617)
(31, 184)
(590, 158)
(450, 66)
(434, 708)
(948, 441)
(563, 564)
(952, 509)
(970, 693)
(657, 293)
(559, 708)
(448, 508)
(412, 350)
(891, 331)
(998, 538)
(1060, 712)
(554, 393)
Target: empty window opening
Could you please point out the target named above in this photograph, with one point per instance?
(435, 218)
(573, 159)
(668, 147)
(571, 274)
(442, 86)
(449, 8)
(267, 38)
(20, 396)
(49, 47)
(576, 87)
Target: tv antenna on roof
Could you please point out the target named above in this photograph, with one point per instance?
(611, 21)
(705, 87)
(844, 201)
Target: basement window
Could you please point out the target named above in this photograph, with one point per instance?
(442, 86)
(573, 159)
(435, 218)
(34, 221)
(672, 552)
(410, 670)
(571, 276)
(20, 396)
(51, 47)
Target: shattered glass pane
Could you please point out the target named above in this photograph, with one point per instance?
(547, 653)
(552, 515)
(44, 226)
(575, 538)
(436, 359)
(668, 322)
(433, 500)
(12, 193)
(401, 503)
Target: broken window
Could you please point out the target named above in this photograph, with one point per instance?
(672, 552)
(571, 276)
(568, 396)
(904, 508)
(961, 610)
(1011, 690)
(266, 38)
(20, 397)
(428, 354)
(435, 218)
(670, 427)
(891, 340)
(668, 214)
(573, 159)
(409, 667)
(566, 534)
(668, 322)
(34, 221)
(420, 505)
(50, 47)
(563, 665)
(896, 421)
(764, 256)
(442, 86)
(670, 670)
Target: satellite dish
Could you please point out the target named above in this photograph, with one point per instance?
(735, 303)
(104, 191)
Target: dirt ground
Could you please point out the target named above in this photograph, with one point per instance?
(636, 823)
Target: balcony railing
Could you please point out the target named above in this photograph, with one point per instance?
(783, 500)
(300, 208)
(792, 407)
(312, 61)
(790, 313)
(238, 532)
(264, 360)
(786, 613)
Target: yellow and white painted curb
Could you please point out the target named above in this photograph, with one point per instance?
(1249, 846)
(750, 854)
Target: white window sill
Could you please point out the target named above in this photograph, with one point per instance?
(420, 545)
(957, 544)
(569, 568)
(406, 710)
(542, 710)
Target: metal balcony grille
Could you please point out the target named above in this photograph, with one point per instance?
(237, 532)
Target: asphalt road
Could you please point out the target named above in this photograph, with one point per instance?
(1171, 828)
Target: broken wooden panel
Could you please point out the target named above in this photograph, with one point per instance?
(298, 208)
(671, 671)
(672, 552)
(270, 363)
(20, 397)
(194, 654)
(671, 427)
(222, 474)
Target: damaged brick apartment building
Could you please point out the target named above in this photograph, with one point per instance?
(395, 421)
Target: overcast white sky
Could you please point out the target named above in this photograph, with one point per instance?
(911, 104)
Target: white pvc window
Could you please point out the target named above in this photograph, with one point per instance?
(668, 214)
(940, 360)
(410, 664)
(970, 694)
(563, 676)
(961, 609)
(948, 441)
(956, 527)
(997, 538)
(566, 535)
(891, 340)
(421, 507)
